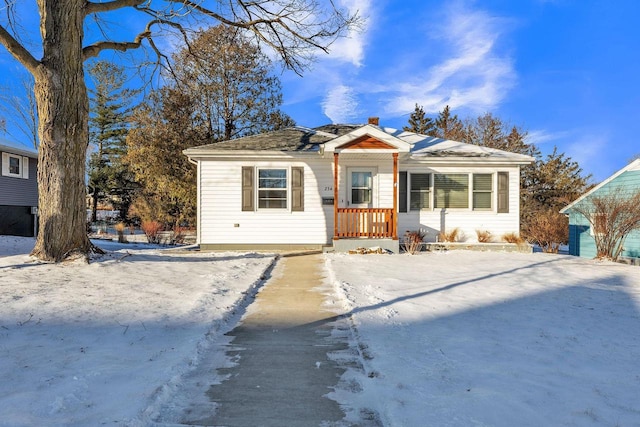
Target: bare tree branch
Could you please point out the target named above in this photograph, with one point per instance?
(111, 5)
(18, 51)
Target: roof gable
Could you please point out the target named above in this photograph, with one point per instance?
(367, 142)
(633, 166)
(368, 137)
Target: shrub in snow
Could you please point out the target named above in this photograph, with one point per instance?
(549, 230)
(412, 241)
(454, 235)
(151, 230)
(484, 236)
(513, 238)
(612, 215)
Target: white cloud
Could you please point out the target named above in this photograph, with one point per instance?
(541, 136)
(340, 104)
(475, 76)
(351, 48)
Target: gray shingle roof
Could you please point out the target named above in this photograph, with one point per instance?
(289, 139)
(302, 139)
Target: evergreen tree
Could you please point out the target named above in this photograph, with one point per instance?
(162, 128)
(420, 123)
(546, 185)
(449, 126)
(109, 176)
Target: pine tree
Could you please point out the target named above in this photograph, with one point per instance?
(546, 185)
(109, 176)
(420, 123)
(449, 126)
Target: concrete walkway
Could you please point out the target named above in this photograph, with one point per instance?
(281, 345)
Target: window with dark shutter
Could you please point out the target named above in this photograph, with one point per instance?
(247, 189)
(402, 201)
(297, 189)
(503, 192)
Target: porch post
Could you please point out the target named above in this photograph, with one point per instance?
(394, 222)
(335, 196)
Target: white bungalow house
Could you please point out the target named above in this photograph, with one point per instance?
(350, 186)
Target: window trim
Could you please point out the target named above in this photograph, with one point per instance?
(23, 165)
(428, 190)
(286, 189)
(474, 192)
(469, 193)
(497, 192)
(293, 189)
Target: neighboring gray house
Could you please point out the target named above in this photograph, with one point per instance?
(18, 190)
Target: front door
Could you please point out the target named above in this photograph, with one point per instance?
(361, 187)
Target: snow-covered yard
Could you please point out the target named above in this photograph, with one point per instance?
(493, 339)
(100, 344)
(458, 338)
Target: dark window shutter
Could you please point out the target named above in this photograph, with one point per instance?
(297, 189)
(503, 192)
(402, 202)
(247, 189)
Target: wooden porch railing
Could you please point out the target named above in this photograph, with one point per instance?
(374, 223)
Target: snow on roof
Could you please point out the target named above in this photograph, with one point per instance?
(17, 148)
(301, 138)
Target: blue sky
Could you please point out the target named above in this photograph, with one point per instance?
(567, 71)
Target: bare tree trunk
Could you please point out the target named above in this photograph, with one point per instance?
(63, 109)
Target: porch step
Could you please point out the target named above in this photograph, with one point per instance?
(346, 245)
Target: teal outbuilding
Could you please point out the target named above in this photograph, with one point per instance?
(581, 241)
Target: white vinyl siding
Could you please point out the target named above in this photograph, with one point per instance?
(222, 220)
(467, 220)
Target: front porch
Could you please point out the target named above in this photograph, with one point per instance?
(365, 227)
(371, 223)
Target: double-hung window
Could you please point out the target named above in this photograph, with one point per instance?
(420, 191)
(272, 188)
(15, 166)
(482, 191)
